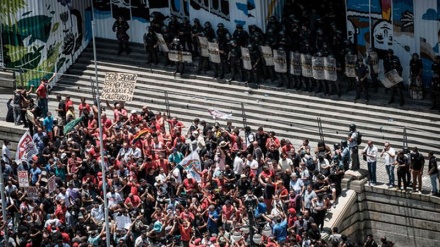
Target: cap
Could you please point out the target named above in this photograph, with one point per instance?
(213, 239)
(197, 241)
(63, 156)
(292, 211)
(243, 176)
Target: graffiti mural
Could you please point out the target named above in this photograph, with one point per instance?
(41, 38)
(385, 24)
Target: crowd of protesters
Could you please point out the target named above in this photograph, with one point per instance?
(254, 188)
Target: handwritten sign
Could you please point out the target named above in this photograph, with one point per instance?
(23, 178)
(32, 192)
(51, 184)
(119, 86)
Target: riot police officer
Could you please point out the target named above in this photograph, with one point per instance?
(328, 85)
(180, 65)
(255, 31)
(219, 68)
(168, 38)
(398, 88)
(361, 79)
(223, 35)
(435, 86)
(185, 34)
(150, 44)
(195, 30)
(121, 27)
(235, 60)
(416, 68)
(203, 64)
(307, 81)
(240, 35)
(209, 31)
(174, 26)
(373, 63)
(274, 24)
(253, 74)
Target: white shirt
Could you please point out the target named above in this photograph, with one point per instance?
(296, 185)
(285, 164)
(353, 142)
(97, 213)
(388, 160)
(253, 164)
(371, 151)
(113, 198)
(6, 151)
(238, 165)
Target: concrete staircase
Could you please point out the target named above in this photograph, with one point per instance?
(292, 114)
(7, 79)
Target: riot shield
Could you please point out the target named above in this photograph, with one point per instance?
(306, 65)
(318, 68)
(246, 58)
(295, 63)
(203, 43)
(391, 78)
(280, 61)
(350, 64)
(162, 44)
(214, 55)
(266, 52)
(330, 69)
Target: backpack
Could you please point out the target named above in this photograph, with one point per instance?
(310, 164)
(359, 137)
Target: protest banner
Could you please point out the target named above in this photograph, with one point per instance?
(203, 43)
(391, 78)
(23, 178)
(295, 63)
(214, 54)
(306, 65)
(180, 56)
(318, 68)
(32, 192)
(191, 163)
(162, 44)
(374, 62)
(26, 148)
(350, 64)
(246, 58)
(266, 52)
(51, 184)
(216, 114)
(119, 86)
(330, 69)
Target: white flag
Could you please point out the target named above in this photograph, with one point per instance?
(26, 148)
(189, 163)
(218, 114)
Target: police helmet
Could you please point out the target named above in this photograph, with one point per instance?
(201, 34)
(164, 29)
(415, 55)
(273, 18)
(176, 40)
(220, 25)
(324, 45)
(270, 31)
(353, 126)
(196, 20)
(185, 20)
(207, 24)
(282, 33)
(390, 52)
(239, 26)
(395, 61)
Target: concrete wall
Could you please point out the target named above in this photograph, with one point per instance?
(407, 219)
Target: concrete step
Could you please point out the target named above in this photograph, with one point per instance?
(190, 110)
(138, 57)
(237, 89)
(369, 128)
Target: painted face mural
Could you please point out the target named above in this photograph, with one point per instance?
(351, 31)
(383, 35)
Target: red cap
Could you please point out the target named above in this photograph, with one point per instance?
(292, 211)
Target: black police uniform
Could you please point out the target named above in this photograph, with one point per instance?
(361, 80)
(195, 30)
(177, 46)
(435, 84)
(185, 35)
(374, 75)
(307, 81)
(241, 36)
(416, 68)
(235, 61)
(150, 44)
(219, 68)
(121, 28)
(253, 74)
(398, 88)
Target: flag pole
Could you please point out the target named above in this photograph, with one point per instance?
(101, 142)
(5, 219)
